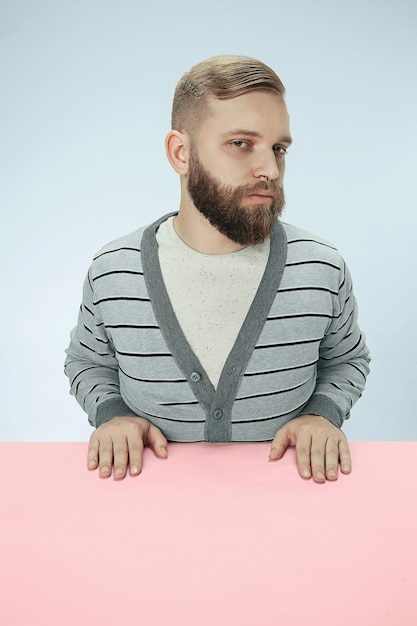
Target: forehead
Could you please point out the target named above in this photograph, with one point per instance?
(262, 112)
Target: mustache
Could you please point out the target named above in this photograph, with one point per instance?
(262, 185)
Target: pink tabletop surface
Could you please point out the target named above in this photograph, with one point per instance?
(215, 535)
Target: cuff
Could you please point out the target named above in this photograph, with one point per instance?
(322, 405)
(113, 407)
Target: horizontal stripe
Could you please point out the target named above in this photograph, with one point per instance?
(338, 356)
(295, 263)
(287, 343)
(281, 369)
(120, 298)
(116, 250)
(348, 297)
(191, 402)
(160, 380)
(174, 419)
(108, 393)
(95, 387)
(273, 393)
(144, 354)
(298, 315)
(118, 272)
(357, 369)
(343, 391)
(105, 341)
(138, 326)
(289, 289)
(93, 367)
(339, 328)
(84, 345)
(268, 419)
(320, 243)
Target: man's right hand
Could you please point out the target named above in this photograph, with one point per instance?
(120, 443)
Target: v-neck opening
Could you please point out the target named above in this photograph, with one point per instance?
(217, 403)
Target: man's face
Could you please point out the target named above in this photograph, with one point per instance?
(237, 163)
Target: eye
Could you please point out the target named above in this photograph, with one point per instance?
(240, 143)
(280, 150)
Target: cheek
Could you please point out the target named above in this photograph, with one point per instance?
(281, 169)
(227, 174)
(228, 171)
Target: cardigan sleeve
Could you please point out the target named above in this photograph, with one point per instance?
(344, 359)
(91, 364)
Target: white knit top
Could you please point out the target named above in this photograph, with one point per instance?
(210, 294)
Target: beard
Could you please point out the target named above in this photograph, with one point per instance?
(222, 205)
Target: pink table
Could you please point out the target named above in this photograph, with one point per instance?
(215, 535)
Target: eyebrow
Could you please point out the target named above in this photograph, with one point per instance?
(253, 133)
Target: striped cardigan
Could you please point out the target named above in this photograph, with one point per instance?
(299, 349)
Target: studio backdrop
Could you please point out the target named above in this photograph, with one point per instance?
(86, 89)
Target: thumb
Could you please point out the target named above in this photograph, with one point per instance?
(157, 441)
(279, 444)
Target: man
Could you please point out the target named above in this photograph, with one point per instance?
(220, 322)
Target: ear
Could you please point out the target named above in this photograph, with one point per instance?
(177, 149)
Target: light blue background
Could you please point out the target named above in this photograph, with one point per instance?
(86, 89)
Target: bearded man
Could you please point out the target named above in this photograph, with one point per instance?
(220, 322)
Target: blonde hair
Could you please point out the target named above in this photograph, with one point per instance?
(222, 77)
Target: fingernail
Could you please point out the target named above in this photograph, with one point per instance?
(119, 471)
(346, 468)
(332, 473)
(320, 475)
(91, 463)
(104, 469)
(134, 469)
(306, 473)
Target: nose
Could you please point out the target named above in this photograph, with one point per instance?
(267, 167)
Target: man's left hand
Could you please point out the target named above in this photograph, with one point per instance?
(319, 445)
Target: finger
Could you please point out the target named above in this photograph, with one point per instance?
(105, 455)
(345, 458)
(92, 454)
(279, 444)
(303, 451)
(332, 458)
(135, 446)
(157, 441)
(121, 456)
(318, 457)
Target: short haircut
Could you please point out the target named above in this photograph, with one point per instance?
(222, 77)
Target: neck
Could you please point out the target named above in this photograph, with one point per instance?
(196, 231)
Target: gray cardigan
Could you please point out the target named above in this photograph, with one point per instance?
(299, 350)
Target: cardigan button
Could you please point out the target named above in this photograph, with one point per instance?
(195, 377)
(218, 414)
